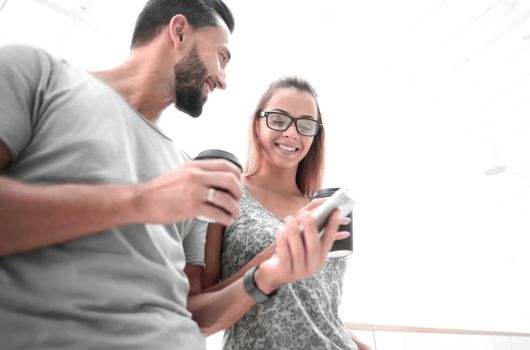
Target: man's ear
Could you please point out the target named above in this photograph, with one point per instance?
(178, 29)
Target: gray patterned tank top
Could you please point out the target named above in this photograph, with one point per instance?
(303, 314)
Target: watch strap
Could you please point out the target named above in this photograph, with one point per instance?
(252, 289)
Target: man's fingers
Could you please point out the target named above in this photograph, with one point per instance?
(223, 181)
(217, 165)
(215, 213)
(223, 200)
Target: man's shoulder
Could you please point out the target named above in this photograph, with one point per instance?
(22, 51)
(25, 63)
(26, 57)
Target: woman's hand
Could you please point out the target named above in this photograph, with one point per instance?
(298, 255)
(315, 203)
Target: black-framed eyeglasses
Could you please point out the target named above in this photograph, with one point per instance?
(279, 121)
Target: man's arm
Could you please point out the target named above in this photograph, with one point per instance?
(293, 260)
(36, 216)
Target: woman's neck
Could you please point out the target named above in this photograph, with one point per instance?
(281, 181)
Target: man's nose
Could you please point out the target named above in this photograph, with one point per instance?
(220, 79)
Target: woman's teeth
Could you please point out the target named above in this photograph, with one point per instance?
(286, 148)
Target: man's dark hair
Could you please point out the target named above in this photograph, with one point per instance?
(199, 13)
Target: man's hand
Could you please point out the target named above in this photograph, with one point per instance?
(69, 211)
(183, 193)
(297, 258)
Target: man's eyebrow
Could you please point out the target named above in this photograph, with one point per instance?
(228, 53)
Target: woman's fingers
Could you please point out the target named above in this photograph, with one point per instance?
(311, 242)
(296, 247)
(300, 252)
(328, 237)
(312, 205)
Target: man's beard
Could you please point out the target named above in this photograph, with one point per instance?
(190, 75)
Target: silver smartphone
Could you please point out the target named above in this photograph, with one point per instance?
(341, 200)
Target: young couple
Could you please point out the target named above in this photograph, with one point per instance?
(98, 206)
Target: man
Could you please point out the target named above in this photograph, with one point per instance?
(97, 204)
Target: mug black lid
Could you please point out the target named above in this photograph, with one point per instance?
(325, 192)
(219, 154)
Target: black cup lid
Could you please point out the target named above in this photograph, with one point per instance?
(325, 192)
(219, 154)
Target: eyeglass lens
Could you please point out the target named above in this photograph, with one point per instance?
(281, 122)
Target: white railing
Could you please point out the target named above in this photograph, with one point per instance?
(390, 337)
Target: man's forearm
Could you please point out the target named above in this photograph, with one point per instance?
(37, 216)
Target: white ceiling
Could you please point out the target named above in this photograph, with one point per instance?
(421, 101)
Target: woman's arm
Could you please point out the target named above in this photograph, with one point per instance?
(360, 344)
(205, 285)
(212, 255)
(214, 242)
(210, 275)
(258, 259)
(294, 258)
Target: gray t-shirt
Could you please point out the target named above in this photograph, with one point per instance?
(123, 288)
(303, 314)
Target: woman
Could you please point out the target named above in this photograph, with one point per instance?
(284, 166)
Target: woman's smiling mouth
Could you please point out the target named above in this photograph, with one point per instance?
(286, 148)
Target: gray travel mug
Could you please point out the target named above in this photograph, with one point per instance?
(341, 247)
(217, 154)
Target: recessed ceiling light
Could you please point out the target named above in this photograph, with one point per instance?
(497, 169)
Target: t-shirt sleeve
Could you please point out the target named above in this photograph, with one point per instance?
(23, 74)
(194, 242)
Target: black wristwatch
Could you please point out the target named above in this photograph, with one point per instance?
(252, 289)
